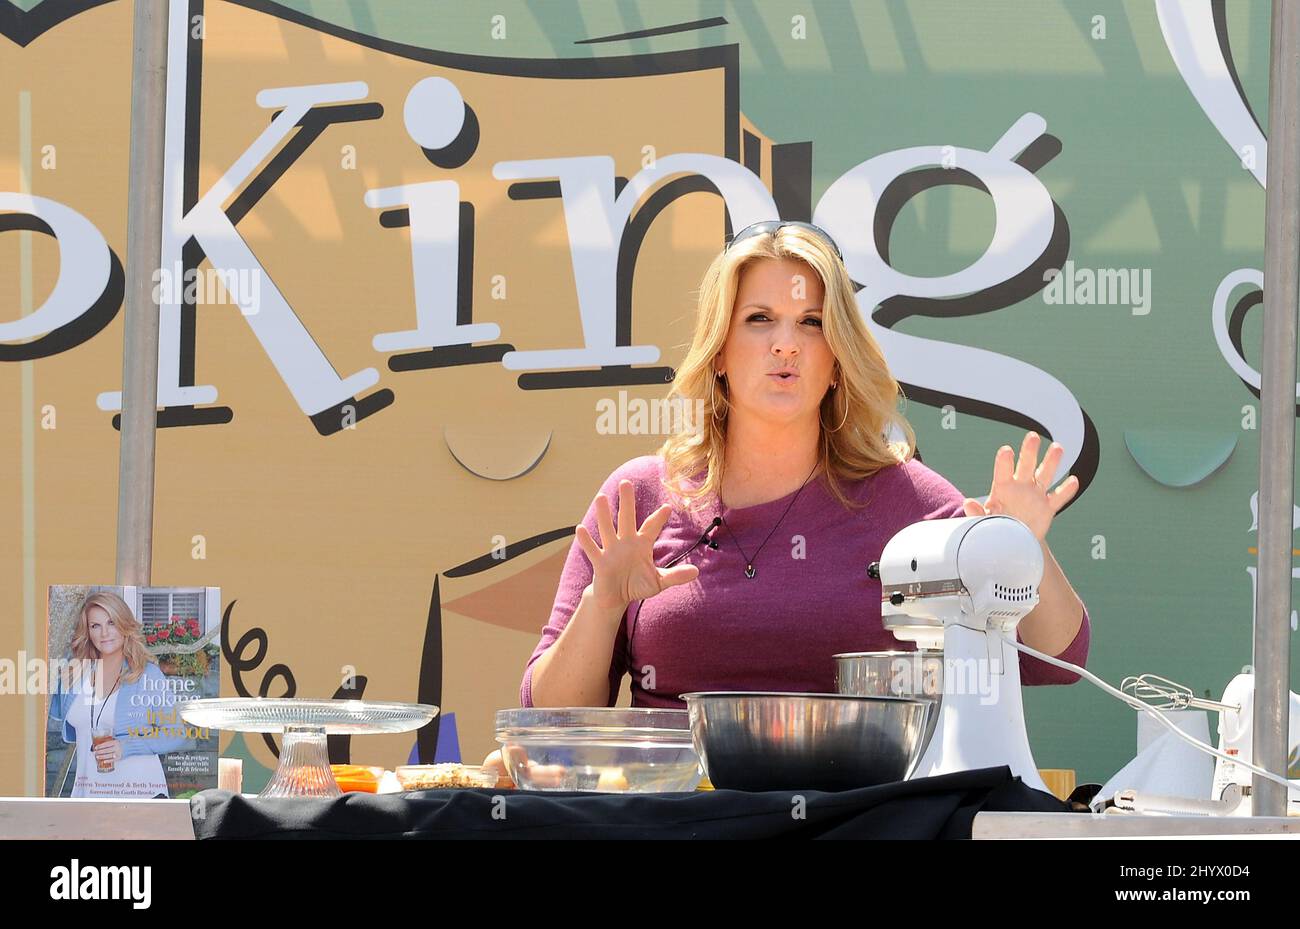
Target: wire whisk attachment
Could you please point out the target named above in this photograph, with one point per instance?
(1163, 694)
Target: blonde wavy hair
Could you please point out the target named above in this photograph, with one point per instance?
(133, 646)
(865, 402)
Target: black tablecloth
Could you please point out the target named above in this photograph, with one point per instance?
(927, 808)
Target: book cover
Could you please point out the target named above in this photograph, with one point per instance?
(121, 662)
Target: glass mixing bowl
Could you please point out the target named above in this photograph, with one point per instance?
(606, 749)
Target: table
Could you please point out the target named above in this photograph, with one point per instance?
(40, 818)
(1014, 825)
(974, 802)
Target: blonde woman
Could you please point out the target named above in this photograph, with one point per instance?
(107, 707)
(803, 470)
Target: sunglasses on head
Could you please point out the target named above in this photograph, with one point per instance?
(772, 225)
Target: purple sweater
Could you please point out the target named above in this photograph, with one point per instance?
(778, 630)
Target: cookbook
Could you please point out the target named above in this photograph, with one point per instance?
(121, 661)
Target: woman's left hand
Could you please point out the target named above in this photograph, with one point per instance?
(1020, 489)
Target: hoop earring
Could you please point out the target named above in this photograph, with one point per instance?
(842, 421)
(713, 406)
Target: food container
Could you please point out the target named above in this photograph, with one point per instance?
(606, 749)
(356, 778)
(443, 776)
(916, 674)
(796, 741)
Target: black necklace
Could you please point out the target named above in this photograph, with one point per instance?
(749, 562)
(94, 720)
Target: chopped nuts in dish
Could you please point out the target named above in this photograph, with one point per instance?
(439, 776)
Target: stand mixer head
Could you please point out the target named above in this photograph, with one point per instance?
(962, 585)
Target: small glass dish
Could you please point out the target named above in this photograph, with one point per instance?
(603, 749)
(443, 776)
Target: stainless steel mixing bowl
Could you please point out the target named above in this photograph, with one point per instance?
(916, 674)
(795, 741)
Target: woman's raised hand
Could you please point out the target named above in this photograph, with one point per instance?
(1020, 489)
(624, 569)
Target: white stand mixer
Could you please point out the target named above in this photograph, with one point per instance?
(961, 585)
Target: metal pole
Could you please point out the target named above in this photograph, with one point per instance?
(143, 257)
(1272, 658)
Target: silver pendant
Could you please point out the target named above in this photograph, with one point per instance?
(749, 570)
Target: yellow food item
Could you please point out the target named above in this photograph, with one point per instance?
(357, 777)
(612, 779)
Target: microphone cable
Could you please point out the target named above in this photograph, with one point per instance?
(631, 620)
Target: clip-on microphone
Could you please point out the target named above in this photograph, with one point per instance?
(713, 526)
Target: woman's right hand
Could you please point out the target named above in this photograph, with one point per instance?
(624, 570)
(108, 752)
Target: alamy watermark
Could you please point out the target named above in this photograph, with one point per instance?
(931, 676)
(35, 675)
(1129, 287)
(239, 286)
(637, 416)
(76, 881)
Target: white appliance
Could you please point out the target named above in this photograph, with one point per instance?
(962, 585)
(1235, 721)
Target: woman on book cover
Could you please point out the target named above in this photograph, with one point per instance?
(119, 709)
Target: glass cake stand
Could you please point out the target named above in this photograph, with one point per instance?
(304, 769)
